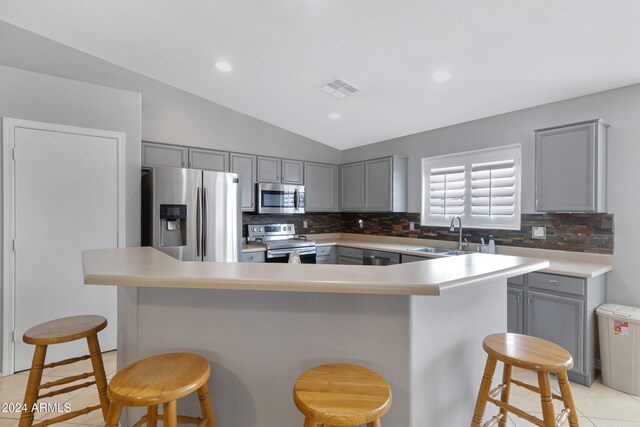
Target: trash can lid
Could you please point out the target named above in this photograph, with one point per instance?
(619, 312)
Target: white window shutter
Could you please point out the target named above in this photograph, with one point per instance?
(447, 192)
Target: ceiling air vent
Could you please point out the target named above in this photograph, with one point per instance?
(339, 88)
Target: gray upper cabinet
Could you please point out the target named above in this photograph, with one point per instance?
(321, 189)
(352, 186)
(209, 160)
(292, 172)
(571, 170)
(163, 155)
(378, 185)
(269, 169)
(245, 166)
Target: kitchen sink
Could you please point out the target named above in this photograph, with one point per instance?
(440, 251)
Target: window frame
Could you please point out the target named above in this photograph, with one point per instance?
(468, 159)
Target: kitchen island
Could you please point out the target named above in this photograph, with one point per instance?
(419, 325)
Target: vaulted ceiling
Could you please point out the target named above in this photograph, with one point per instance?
(501, 55)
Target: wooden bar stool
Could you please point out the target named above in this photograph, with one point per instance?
(534, 354)
(161, 380)
(60, 331)
(342, 395)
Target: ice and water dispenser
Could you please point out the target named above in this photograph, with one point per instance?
(173, 225)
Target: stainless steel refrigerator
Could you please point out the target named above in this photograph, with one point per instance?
(192, 215)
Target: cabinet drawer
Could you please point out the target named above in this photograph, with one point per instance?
(350, 252)
(252, 257)
(323, 250)
(324, 259)
(552, 282)
(516, 280)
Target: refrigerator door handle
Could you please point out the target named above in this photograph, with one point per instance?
(204, 223)
(198, 224)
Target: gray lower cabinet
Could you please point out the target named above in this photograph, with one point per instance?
(245, 166)
(349, 256)
(321, 187)
(325, 255)
(571, 169)
(252, 257)
(211, 160)
(560, 309)
(163, 155)
(405, 259)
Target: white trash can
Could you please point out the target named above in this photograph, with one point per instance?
(619, 332)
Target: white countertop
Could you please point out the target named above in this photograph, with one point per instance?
(576, 264)
(148, 267)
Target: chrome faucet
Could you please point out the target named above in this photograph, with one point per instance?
(461, 244)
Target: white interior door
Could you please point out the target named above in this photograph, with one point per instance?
(66, 199)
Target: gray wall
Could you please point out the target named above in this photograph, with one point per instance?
(620, 108)
(39, 97)
(168, 114)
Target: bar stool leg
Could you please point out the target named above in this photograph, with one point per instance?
(309, 422)
(483, 393)
(376, 423)
(35, 377)
(169, 414)
(567, 398)
(98, 371)
(205, 405)
(504, 397)
(546, 400)
(152, 413)
(113, 417)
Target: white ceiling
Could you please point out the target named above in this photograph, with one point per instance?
(503, 55)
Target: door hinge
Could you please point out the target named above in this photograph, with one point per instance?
(12, 336)
(13, 245)
(13, 154)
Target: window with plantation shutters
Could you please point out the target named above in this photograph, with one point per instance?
(481, 187)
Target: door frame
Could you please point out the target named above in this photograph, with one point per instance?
(9, 125)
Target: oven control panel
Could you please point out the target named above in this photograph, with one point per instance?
(270, 231)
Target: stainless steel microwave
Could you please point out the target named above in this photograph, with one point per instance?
(279, 198)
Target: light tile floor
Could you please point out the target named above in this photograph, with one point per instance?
(12, 391)
(598, 406)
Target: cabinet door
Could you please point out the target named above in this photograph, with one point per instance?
(515, 315)
(209, 160)
(292, 172)
(566, 168)
(352, 187)
(320, 187)
(268, 169)
(560, 320)
(378, 185)
(163, 155)
(245, 166)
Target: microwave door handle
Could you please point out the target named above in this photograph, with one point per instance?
(198, 223)
(204, 223)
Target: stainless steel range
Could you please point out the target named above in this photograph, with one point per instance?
(280, 241)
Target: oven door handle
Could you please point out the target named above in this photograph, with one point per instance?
(277, 253)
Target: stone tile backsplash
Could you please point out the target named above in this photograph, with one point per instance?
(569, 232)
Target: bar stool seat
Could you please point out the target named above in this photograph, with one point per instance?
(56, 332)
(161, 380)
(342, 395)
(534, 354)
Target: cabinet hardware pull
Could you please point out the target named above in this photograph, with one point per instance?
(553, 281)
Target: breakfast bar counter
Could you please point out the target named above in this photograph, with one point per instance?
(419, 325)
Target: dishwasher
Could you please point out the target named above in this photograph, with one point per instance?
(379, 258)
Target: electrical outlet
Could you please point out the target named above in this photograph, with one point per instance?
(360, 223)
(305, 224)
(412, 226)
(538, 232)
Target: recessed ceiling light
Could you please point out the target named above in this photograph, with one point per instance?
(441, 76)
(223, 66)
(334, 116)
